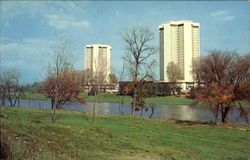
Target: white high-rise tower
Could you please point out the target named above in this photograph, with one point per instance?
(179, 43)
(98, 59)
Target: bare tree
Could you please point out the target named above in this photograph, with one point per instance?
(195, 71)
(138, 57)
(100, 78)
(61, 85)
(10, 86)
(85, 77)
(121, 78)
(95, 79)
(223, 74)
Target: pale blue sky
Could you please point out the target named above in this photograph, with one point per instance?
(28, 28)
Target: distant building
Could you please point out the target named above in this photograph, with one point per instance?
(98, 59)
(179, 43)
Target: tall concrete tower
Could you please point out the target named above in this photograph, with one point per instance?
(179, 43)
(98, 59)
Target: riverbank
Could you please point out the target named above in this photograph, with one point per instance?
(113, 98)
(29, 133)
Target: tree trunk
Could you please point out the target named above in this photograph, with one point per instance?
(18, 102)
(54, 113)
(29, 100)
(216, 117)
(153, 107)
(93, 118)
(173, 89)
(15, 101)
(133, 110)
(55, 103)
(10, 99)
(133, 106)
(134, 90)
(134, 100)
(3, 100)
(224, 114)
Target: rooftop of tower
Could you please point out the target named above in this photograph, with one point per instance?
(100, 45)
(179, 22)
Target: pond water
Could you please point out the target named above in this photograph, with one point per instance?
(180, 112)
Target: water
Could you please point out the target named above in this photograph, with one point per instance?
(180, 112)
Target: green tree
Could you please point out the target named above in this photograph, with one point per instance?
(174, 75)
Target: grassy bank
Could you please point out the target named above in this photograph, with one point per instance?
(126, 99)
(29, 133)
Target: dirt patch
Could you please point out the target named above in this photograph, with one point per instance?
(187, 122)
(211, 123)
(3, 116)
(235, 126)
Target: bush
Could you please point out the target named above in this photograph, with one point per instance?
(9, 150)
(193, 93)
(163, 89)
(153, 89)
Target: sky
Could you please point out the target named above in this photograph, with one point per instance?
(28, 28)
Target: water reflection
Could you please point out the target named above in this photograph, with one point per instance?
(181, 112)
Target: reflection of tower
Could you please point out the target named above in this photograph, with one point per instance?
(103, 108)
(182, 112)
(186, 112)
(179, 43)
(98, 59)
(100, 108)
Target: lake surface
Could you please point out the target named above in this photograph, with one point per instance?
(180, 112)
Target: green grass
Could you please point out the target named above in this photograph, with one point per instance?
(37, 96)
(113, 98)
(105, 97)
(31, 135)
(169, 100)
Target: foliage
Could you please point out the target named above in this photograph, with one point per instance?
(67, 87)
(153, 89)
(193, 93)
(174, 72)
(174, 75)
(223, 73)
(163, 89)
(37, 87)
(244, 91)
(140, 93)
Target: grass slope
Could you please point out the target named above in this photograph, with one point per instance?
(30, 134)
